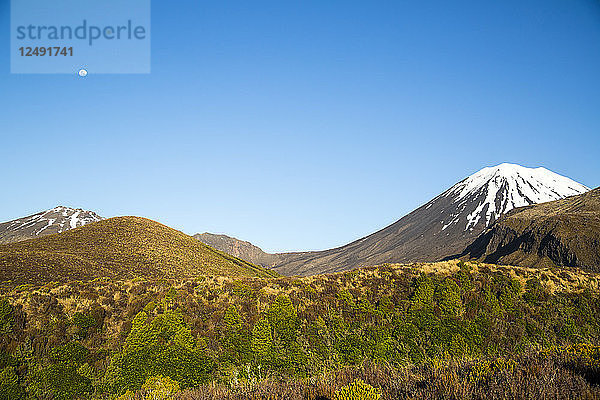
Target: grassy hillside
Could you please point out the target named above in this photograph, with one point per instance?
(121, 248)
(443, 330)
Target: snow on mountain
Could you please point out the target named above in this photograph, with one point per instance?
(444, 226)
(497, 190)
(56, 220)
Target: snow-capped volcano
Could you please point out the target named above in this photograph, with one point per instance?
(445, 225)
(494, 191)
(56, 220)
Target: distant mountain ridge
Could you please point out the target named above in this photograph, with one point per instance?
(237, 248)
(559, 233)
(440, 228)
(56, 220)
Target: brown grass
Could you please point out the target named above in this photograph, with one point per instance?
(535, 376)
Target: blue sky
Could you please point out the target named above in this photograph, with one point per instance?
(305, 125)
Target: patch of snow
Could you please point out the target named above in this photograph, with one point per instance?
(506, 186)
(74, 220)
(50, 222)
(61, 218)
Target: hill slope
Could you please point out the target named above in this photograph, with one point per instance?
(57, 220)
(237, 248)
(564, 232)
(445, 225)
(121, 247)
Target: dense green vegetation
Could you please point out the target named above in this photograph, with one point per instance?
(104, 339)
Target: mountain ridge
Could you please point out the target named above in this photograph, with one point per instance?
(237, 248)
(55, 220)
(438, 229)
(442, 227)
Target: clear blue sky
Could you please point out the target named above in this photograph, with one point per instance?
(304, 125)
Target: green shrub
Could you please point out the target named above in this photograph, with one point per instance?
(509, 293)
(128, 395)
(534, 291)
(318, 337)
(6, 360)
(159, 388)
(485, 369)
(493, 306)
(357, 390)
(346, 298)
(232, 320)
(235, 339)
(465, 278)
(390, 317)
(73, 353)
(169, 300)
(9, 385)
(60, 382)
(87, 371)
(161, 346)
(6, 316)
(262, 341)
(151, 306)
(463, 266)
(385, 307)
(283, 319)
(449, 300)
(83, 323)
(241, 290)
(364, 306)
(422, 298)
